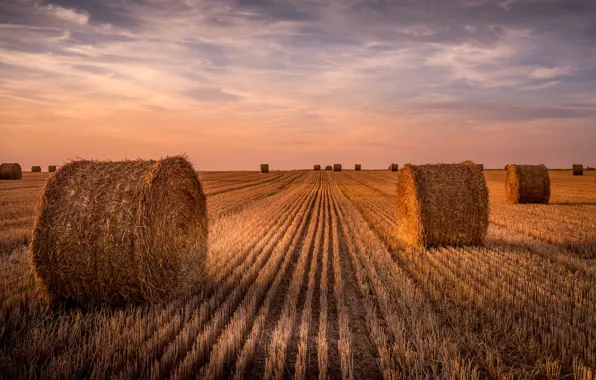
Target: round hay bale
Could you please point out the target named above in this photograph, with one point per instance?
(357, 167)
(527, 184)
(36, 169)
(317, 167)
(328, 167)
(337, 167)
(264, 168)
(393, 167)
(470, 162)
(10, 171)
(51, 168)
(441, 205)
(119, 232)
(578, 169)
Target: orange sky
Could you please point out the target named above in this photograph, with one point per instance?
(237, 83)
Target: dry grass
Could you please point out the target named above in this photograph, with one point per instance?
(527, 184)
(306, 279)
(118, 232)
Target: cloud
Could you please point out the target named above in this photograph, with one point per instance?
(549, 73)
(67, 14)
(211, 95)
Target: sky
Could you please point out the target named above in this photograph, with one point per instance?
(236, 83)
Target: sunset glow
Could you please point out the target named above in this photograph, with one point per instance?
(294, 83)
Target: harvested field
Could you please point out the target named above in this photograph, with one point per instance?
(306, 279)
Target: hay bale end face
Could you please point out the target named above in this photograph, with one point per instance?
(441, 205)
(328, 167)
(357, 167)
(36, 169)
(51, 168)
(11, 171)
(264, 168)
(317, 167)
(578, 169)
(337, 167)
(527, 184)
(393, 167)
(120, 232)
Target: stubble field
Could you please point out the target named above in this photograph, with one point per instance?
(306, 280)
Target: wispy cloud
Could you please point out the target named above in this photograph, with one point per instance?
(326, 74)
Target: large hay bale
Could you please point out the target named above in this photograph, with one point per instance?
(51, 168)
(357, 167)
(264, 168)
(393, 167)
(317, 167)
(10, 171)
(578, 169)
(441, 204)
(36, 169)
(337, 167)
(527, 184)
(117, 232)
(328, 167)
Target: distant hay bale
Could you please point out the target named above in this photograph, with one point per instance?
(36, 169)
(441, 205)
(393, 167)
(317, 167)
(11, 171)
(578, 169)
(51, 168)
(264, 168)
(527, 184)
(357, 167)
(118, 232)
(337, 167)
(470, 162)
(328, 167)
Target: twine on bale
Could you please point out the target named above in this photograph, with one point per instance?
(11, 171)
(441, 205)
(527, 184)
(118, 232)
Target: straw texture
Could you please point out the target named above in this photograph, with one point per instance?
(441, 205)
(527, 184)
(118, 232)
